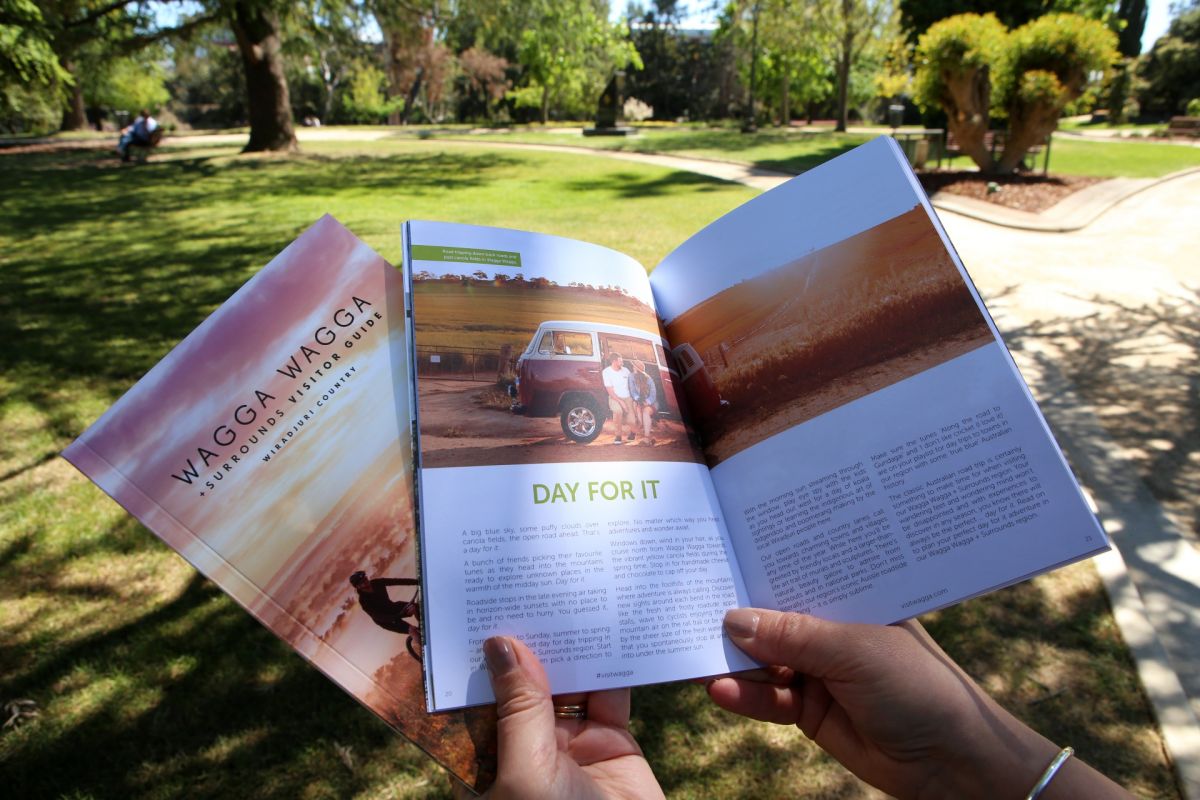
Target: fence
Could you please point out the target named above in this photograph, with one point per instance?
(463, 363)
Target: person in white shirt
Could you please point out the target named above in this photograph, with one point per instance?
(137, 133)
(616, 383)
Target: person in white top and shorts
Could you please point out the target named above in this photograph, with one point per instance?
(616, 383)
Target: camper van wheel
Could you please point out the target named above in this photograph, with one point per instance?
(581, 421)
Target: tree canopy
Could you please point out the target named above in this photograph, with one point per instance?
(972, 67)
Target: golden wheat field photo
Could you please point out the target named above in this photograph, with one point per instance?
(825, 329)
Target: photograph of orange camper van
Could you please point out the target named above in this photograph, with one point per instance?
(513, 372)
(560, 374)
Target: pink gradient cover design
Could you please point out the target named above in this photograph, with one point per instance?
(272, 449)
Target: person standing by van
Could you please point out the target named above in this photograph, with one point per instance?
(645, 400)
(616, 383)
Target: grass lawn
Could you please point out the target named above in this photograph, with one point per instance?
(793, 151)
(784, 150)
(1121, 158)
(152, 684)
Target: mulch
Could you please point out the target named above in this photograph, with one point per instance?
(1033, 193)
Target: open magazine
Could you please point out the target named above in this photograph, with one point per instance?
(805, 407)
(272, 449)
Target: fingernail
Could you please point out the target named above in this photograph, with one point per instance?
(741, 623)
(499, 655)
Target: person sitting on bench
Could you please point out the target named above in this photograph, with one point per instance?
(141, 132)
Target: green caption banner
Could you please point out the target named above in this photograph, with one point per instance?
(466, 255)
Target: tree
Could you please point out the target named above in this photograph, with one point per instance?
(86, 35)
(26, 53)
(568, 54)
(1039, 68)
(1170, 72)
(408, 35)
(918, 16)
(683, 75)
(207, 85)
(1133, 14)
(324, 44)
(30, 72)
(794, 52)
(255, 25)
(954, 62)
(127, 83)
(853, 25)
(365, 100)
(486, 76)
(1047, 65)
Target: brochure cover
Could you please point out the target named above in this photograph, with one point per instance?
(272, 449)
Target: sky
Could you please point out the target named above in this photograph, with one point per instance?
(702, 13)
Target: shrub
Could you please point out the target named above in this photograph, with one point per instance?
(637, 111)
(970, 66)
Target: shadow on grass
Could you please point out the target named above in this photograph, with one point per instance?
(638, 184)
(103, 272)
(188, 700)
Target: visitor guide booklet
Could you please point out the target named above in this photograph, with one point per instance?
(805, 406)
(272, 449)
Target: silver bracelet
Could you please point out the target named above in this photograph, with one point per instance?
(1050, 772)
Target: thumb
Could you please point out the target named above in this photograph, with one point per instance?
(808, 645)
(525, 713)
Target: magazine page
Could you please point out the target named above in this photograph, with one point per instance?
(563, 499)
(876, 453)
(272, 450)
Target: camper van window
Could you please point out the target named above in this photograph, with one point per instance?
(628, 347)
(685, 358)
(546, 346)
(572, 343)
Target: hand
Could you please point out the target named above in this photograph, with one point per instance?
(541, 757)
(893, 708)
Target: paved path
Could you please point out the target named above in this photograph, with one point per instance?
(1144, 249)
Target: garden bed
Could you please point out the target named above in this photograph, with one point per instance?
(1032, 193)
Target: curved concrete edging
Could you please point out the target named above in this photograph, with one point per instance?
(1070, 214)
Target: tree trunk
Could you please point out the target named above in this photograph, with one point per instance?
(843, 67)
(843, 89)
(393, 66)
(412, 96)
(968, 97)
(545, 104)
(785, 111)
(1134, 13)
(1027, 127)
(74, 115)
(268, 105)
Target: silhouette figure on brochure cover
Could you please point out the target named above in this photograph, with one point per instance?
(389, 614)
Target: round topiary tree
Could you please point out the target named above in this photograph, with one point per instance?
(954, 61)
(1046, 65)
(1035, 71)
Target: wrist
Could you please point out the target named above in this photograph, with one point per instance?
(992, 755)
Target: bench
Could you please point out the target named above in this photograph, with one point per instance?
(139, 149)
(1188, 127)
(993, 141)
